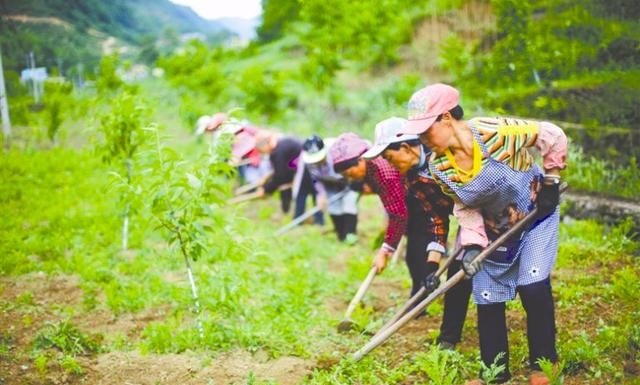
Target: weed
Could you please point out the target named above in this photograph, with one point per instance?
(69, 363)
(441, 366)
(554, 372)
(66, 338)
(490, 373)
(579, 353)
(27, 320)
(41, 363)
(625, 286)
(6, 343)
(25, 299)
(121, 342)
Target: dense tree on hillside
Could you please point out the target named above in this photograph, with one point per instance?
(573, 61)
(72, 31)
(276, 14)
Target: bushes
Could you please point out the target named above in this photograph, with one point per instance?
(562, 60)
(588, 173)
(593, 100)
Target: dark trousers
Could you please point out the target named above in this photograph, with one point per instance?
(306, 189)
(456, 303)
(344, 224)
(456, 300)
(285, 200)
(537, 301)
(417, 240)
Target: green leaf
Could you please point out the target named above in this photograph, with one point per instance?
(194, 181)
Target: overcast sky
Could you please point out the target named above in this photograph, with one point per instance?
(215, 9)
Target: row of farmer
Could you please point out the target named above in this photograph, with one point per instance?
(271, 162)
(435, 164)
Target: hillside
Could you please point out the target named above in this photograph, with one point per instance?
(71, 31)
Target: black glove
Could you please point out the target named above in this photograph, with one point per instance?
(356, 186)
(470, 253)
(431, 281)
(548, 197)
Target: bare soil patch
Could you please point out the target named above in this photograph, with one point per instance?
(227, 368)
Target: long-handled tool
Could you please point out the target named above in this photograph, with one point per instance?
(242, 162)
(254, 195)
(245, 197)
(250, 186)
(347, 323)
(418, 294)
(378, 339)
(247, 187)
(400, 250)
(301, 218)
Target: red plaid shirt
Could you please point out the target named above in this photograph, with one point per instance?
(386, 181)
(436, 205)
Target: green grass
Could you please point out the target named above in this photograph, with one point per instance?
(591, 174)
(280, 296)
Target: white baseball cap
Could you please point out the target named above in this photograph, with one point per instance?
(387, 132)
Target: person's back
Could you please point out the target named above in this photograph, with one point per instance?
(283, 159)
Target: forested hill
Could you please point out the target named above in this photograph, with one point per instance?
(72, 30)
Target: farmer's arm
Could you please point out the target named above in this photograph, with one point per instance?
(472, 231)
(552, 143)
(392, 196)
(437, 207)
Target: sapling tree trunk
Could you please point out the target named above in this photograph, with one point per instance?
(120, 134)
(194, 290)
(127, 208)
(125, 227)
(182, 192)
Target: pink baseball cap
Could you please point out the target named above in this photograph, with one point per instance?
(243, 144)
(347, 146)
(427, 104)
(216, 121)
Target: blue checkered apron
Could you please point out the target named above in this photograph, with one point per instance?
(497, 190)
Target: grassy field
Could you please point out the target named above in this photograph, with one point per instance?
(75, 308)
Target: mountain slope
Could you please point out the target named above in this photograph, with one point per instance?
(244, 28)
(125, 19)
(71, 31)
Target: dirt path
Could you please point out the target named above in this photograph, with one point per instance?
(227, 368)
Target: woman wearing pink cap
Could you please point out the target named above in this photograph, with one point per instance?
(484, 163)
(427, 225)
(383, 179)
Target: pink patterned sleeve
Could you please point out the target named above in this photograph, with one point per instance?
(390, 189)
(552, 143)
(471, 223)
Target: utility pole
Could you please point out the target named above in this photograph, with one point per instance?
(36, 85)
(4, 105)
(59, 61)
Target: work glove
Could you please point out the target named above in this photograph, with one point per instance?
(470, 267)
(356, 186)
(548, 197)
(431, 281)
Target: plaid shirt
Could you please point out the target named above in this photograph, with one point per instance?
(436, 205)
(386, 181)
